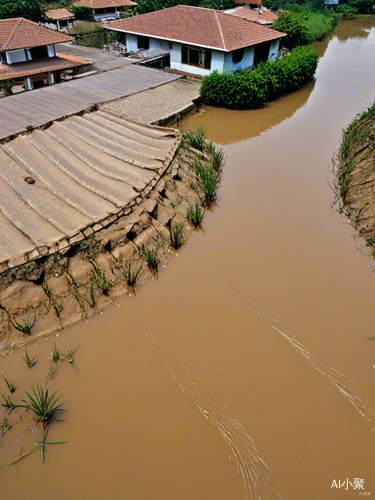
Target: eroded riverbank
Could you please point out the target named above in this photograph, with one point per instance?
(131, 431)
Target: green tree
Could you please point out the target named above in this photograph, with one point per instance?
(294, 26)
(29, 9)
(83, 13)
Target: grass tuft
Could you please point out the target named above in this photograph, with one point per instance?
(150, 256)
(29, 361)
(8, 404)
(177, 235)
(194, 138)
(130, 275)
(69, 356)
(10, 386)
(195, 214)
(207, 183)
(99, 279)
(26, 324)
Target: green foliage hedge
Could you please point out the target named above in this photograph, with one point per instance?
(82, 13)
(270, 80)
(303, 27)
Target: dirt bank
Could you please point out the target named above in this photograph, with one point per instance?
(354, 176)
(52, 292)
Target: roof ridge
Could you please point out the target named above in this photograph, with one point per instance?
(220, 30)
(13, 32)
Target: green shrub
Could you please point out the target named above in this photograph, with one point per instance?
(346, 11)
(268, 81)
(83, 13)
(294, 26)
(320, 25)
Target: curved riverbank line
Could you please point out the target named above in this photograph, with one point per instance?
(92, 207)
(354, 175)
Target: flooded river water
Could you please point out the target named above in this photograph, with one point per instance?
(189, 390)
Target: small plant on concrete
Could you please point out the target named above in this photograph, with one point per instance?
(29, 361)
(11, 387)
(194, 138)
(130, 275)
(26, 324)
(69, 356)
(150, 256)
(177, 235)
(89, 247)
(195, 214)
(99, 279)
(8, 404)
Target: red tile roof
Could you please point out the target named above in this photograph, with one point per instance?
(57, 14)
(197, 26)
(254, 15)
(58, 63)
(102, 4)
(20, 33)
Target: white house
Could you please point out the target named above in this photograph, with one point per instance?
(200, 40)
(103, 10)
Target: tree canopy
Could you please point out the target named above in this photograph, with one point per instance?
(20, 8)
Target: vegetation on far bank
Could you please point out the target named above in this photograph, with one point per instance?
(268, 81)
(353, 175)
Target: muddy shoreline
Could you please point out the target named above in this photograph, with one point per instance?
(59, 290)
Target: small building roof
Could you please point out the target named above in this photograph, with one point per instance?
(197, 26)
(58, 14)
(102, 4)
(20, 33)
(255, 15)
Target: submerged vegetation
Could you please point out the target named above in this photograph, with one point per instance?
(39, 402)
(268, 81)
(353, 175)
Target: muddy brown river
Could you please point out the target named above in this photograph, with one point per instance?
(243, 371)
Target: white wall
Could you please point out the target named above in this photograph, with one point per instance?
(155, 43)
(247, 60)
(274, 49)
(217, 62)
(51, 50)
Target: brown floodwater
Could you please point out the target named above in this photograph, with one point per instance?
(188, 390)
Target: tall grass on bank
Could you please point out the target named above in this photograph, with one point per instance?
(268, 81)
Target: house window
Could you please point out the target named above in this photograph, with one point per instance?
(196, 57)
(143, 42)
(237, 56)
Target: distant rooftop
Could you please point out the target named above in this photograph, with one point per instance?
(197, 26)
(20, 33)
(102, 4)
(58, 14)
(265, 16)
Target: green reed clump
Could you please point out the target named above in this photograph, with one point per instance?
(30, 362)
(194, 138)
(150, 256)
(8, 404)
(207, 183)
(217, 157)
(55, 355)
(53, 370)
(12, 389)
(26, 324)
(69, 357)
(195, 214)
(130, 274)
(99, 279)
(176, 231)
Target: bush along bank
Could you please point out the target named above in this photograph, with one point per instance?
(251, 89)
(353, 178)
